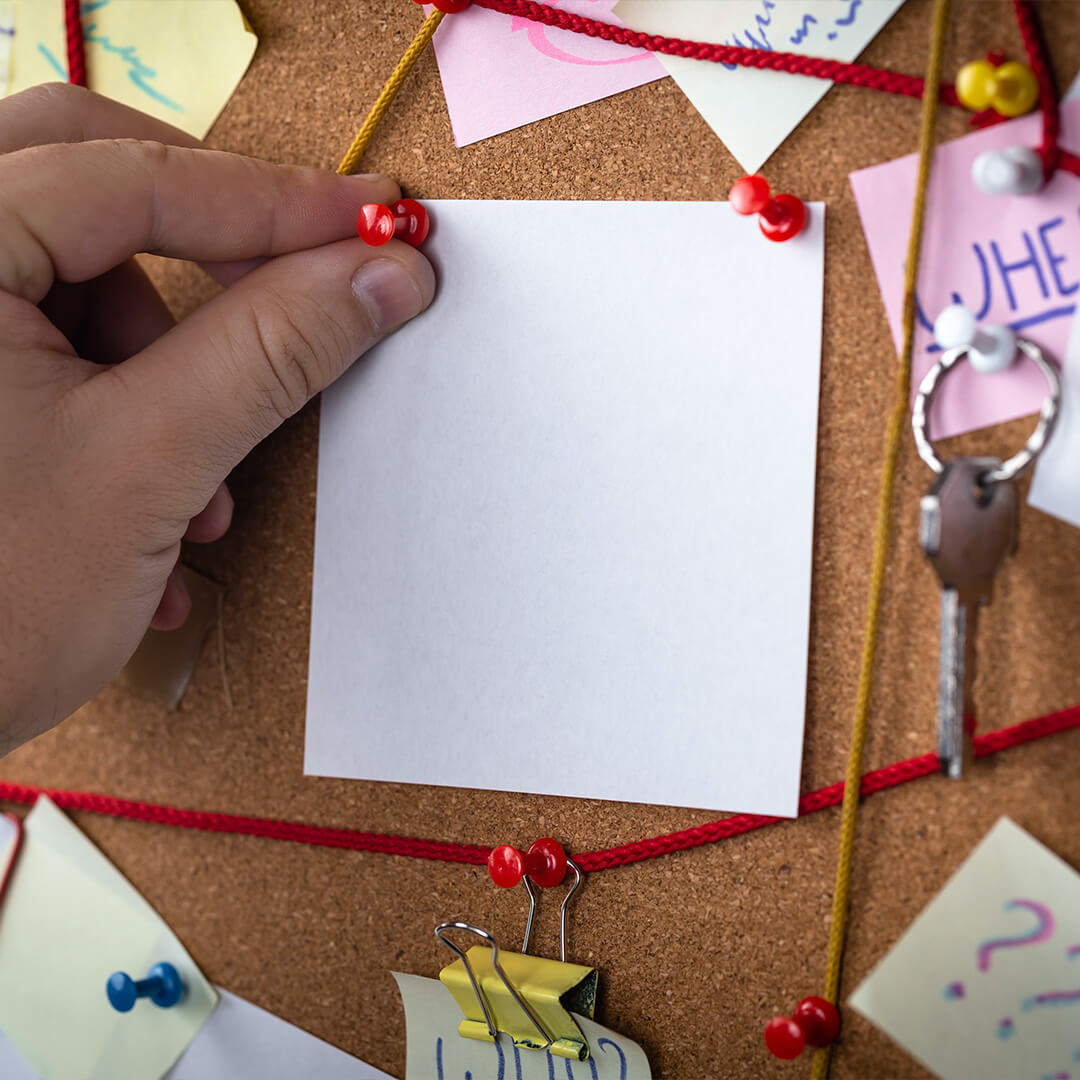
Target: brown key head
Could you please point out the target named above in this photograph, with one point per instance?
(969, 528)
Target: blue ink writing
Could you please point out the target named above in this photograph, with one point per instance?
(800, 34)
(761, 20)
(602, 1045)
(139, 72)
(1054, 259)
(440, 1072)
(1008, 269)
(847, 20)
(1034, 283)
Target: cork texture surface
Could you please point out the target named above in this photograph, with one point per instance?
(697, 950)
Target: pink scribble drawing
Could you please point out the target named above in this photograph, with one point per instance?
(1040, 932)
(538, 39)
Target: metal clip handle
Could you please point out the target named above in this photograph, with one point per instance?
(440, 933)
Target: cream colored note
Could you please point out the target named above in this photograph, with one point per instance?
(986, 981)
(435, 1051)
(179, 60)
(7, 38)
(69, 920)
(753, 112)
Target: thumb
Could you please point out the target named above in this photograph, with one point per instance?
(206, 392)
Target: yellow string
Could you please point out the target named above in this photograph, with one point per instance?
(883, 529)
(389, 91)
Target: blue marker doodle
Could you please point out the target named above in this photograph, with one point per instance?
(848, 19)
(600, 1045)
(800, 34)
(761, 21)
(1042, 263)
(440, 1073)
(138, 72)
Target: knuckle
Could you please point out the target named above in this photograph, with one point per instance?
(52, 98)
(300, 346)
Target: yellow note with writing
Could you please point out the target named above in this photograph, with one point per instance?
(179, 60)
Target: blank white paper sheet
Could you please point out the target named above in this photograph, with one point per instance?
(564, 519)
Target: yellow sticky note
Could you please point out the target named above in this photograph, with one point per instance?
(179, 60)
(986, 981)
(69, 920)
(7, 38)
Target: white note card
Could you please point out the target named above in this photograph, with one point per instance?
(986, 981)
(564, 519)
(240, 1042)
(434, 1050)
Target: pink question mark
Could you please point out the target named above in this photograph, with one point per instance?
(1043, 929)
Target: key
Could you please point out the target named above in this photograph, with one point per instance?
(967, 530)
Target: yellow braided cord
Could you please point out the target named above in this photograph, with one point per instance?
(389, 91)
(883, 529)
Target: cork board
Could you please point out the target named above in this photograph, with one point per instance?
(695, 950)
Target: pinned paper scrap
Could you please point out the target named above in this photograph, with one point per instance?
(7, 38)
(543, 491)
(500, 72)
(173, 59)
(986, 981)
(1055, 487)
(434, 1050)
(753, 112)
(164, 662)
(69, 920)
(1011, 260)
(241, 1042)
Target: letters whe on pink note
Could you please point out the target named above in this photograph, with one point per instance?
(1011, 260)
(500, 72)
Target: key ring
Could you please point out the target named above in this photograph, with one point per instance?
(1007, 470)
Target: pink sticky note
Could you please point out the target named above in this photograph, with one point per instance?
(1011, 260)
(502, 71)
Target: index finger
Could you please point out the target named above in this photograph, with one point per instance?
(61, 112)
(74, 210)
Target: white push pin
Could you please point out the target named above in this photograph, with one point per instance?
(990, 347)
(1017, 170)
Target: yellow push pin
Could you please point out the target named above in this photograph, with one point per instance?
(1010, 89)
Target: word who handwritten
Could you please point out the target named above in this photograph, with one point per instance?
(579, 1070)
(1011, 274)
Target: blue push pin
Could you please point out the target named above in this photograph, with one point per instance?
(162, 986)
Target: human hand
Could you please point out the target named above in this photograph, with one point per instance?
(117, 427)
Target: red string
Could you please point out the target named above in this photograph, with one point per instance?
(902, 772)
(870, 78)
(1035, 46)
(5, 878)
(76, 47)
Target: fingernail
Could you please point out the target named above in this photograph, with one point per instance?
(389, 293)
(370, 177)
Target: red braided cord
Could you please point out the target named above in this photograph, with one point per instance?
(890, 82)
(1039, 62)
(902, 772)
(76, 47)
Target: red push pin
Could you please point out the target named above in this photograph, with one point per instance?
(406, 219)
(784, 1038)
(816, 1023)
(448, 7)
(506, 865)
(545, 862)
(780, 216)
(819, 1020)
